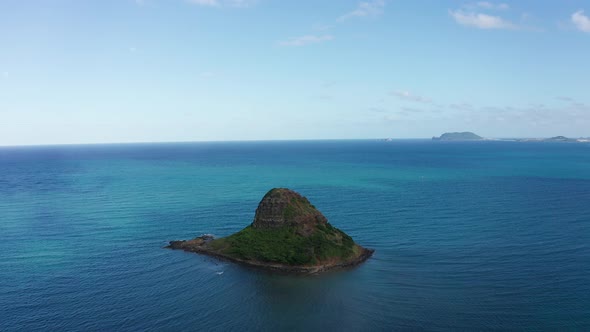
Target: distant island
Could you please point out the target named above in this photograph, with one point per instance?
(463, 136)
(554, 139)
(469, 136)
(288, 234)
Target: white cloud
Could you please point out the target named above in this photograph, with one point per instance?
(365, 9)
(481, 21)
(306, 40)
(581, 21)
(491, 5)
(405, 95)
(564, 98)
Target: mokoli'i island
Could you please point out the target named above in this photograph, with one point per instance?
(288, 234)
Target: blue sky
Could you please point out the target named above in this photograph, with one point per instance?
(200, 70)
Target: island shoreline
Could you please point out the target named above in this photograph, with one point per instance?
(199, 246)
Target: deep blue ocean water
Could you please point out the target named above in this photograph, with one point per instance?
(468, 236)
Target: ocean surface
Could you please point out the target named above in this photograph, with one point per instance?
(468, 236)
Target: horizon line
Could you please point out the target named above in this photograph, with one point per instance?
(253, 140)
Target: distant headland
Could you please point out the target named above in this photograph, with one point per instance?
(469, 136)
(288, 234)
(554, 139)
(462, 136)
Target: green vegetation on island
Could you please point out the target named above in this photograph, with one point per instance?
(284, 245)
(288, 234)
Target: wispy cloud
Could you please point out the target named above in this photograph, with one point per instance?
(477, 15)
(223, 3)
(411, 110)
(322, 27)
(461, 106)
(306, 40)
(405, 95)
(564, 98)
(365, 9)
(480, 20)
(491, 5)
(581, 21)
(535, 114)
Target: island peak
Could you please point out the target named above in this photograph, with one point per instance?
(282, 207)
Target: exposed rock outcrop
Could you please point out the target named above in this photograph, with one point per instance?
(282, 207)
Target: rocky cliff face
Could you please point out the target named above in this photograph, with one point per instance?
(284, 207)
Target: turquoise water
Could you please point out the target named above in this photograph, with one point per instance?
(471, 236)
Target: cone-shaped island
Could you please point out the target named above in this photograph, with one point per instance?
(288, 235)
